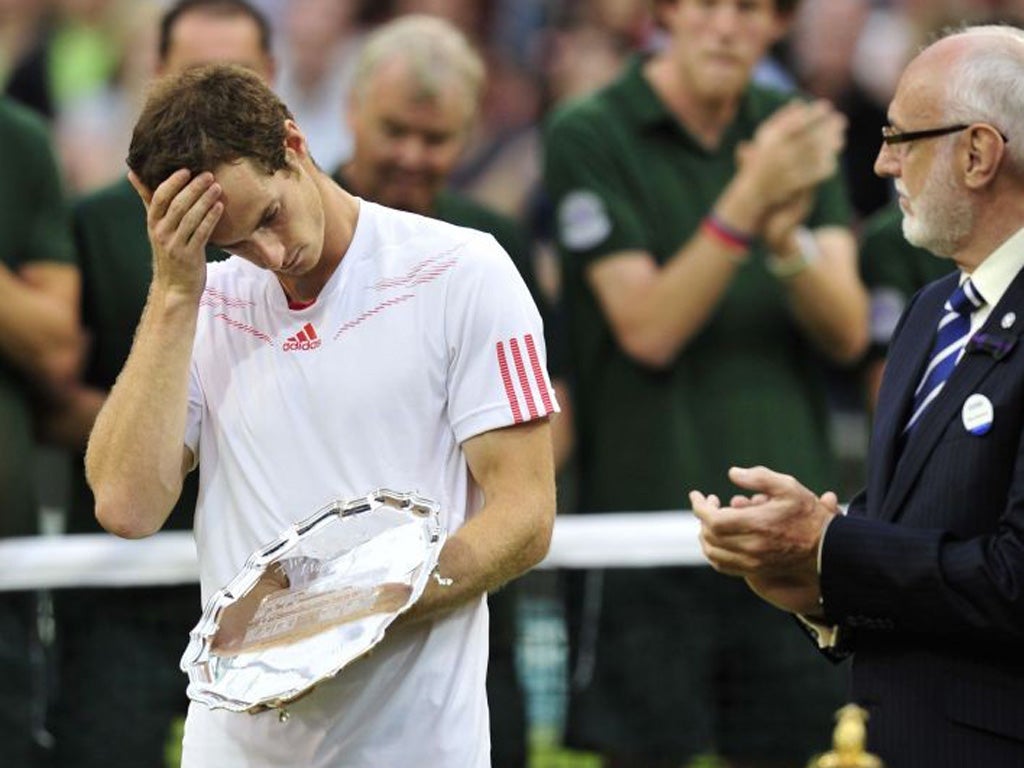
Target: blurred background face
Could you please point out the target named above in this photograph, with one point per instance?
(407, 141)
(205, 38)
(717, 43)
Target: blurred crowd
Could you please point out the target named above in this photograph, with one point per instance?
(83, 66)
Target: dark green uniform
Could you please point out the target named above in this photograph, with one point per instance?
(120, 688)
(671, 662)
(33, 228)
(893, 271)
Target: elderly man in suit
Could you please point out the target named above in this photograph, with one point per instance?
(923, 579)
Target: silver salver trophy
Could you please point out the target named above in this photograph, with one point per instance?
(314, 600)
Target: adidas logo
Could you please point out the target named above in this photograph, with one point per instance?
(304, 339)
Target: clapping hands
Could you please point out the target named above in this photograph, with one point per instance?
(770, 537)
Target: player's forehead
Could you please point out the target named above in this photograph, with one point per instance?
(246, 192)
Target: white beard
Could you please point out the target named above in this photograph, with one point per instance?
(941, 216)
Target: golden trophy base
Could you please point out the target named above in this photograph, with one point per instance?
(848, 740)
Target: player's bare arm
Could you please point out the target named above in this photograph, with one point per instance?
(512, 532)
(136, 460)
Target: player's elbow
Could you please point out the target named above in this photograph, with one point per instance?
(123, 513)
(538, 540)
(115, 519)
(537, 548)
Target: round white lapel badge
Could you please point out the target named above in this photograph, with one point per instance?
(1007, 320)
(977, 414)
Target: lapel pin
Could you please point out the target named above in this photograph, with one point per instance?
(996, 345)
(977, 414)
(1008, 320)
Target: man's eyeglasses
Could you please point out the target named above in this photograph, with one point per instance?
(891, 136)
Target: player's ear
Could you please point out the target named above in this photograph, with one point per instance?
(295, 139)
(144, 192)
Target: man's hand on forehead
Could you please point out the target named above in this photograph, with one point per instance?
(181, 214)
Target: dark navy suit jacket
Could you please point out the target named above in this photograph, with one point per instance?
(925, 574)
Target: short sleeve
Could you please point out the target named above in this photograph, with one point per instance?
(593, 216)
(49, 236)
(47, 221)
(497, 372)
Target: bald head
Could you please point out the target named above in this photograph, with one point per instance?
(975, 75)
(955, 146)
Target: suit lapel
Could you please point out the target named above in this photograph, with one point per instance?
(968, 374)
(906, 360)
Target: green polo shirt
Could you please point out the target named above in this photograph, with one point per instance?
(33, 228)
(748, 389)
(116, 263)
(893, 271)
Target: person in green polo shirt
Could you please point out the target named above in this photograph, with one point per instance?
(119, 686)
(40, 346)
(893, 271)
(415, 95)
(709, 274)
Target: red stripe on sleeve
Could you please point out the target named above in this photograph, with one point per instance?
(524, 382)
(506, 379)
(538, 373)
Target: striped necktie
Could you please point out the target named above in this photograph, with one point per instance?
(951, 338)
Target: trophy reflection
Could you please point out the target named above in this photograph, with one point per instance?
(312, 601)
(848, 741)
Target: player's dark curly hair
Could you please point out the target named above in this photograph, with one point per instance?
(206, 117)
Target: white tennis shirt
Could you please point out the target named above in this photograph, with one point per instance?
(424, 337)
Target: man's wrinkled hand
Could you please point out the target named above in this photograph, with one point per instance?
(775, 530)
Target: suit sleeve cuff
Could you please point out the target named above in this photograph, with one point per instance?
(825, 635)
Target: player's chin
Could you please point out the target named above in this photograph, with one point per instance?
(301, 261)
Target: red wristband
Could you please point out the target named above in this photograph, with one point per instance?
(726, 234)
